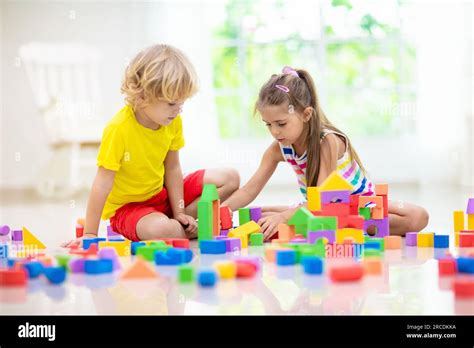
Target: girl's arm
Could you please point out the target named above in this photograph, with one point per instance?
(252, 188)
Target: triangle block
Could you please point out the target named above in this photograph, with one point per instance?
(138, 270)
(30, 239)
(335, 182)
(209, 193)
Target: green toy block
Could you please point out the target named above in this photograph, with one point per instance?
(148, 251)
(256, 239)
(300, 217)
(185, 274)
(209, 193)
(204, 220)
(244, 216)
(371, 253)
(381, 242)
(63, 261)
(322, 223)
(365, 212)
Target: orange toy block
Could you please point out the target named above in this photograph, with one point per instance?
(140, 269)
(377, 214)
(372, 265)
(392, 242)
(81, 221)
(216, 219)
(381, 189)
(226, 218)
(286, 232)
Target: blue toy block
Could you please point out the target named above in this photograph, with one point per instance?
(165, 258)
(34, 269)
(285, 257)
(186, 253)
(135, 245)
(207, 278)
(465, 265)
(441, 241)
(55, 275)
(86, 243)
(312, 264)
(372, 245)
(98, 266)
(3, 251)
(212, 246)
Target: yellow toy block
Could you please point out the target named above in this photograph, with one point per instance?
(314, 198)
(226, 269)
(470, 221)
(425, 240)
(335, 182)
(122, 248)
(30, 240)
(458, 217)
(245, 229)
(357, 235)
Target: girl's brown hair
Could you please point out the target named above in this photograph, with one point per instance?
(302, 94)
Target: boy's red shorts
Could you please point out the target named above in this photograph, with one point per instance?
(126, 217)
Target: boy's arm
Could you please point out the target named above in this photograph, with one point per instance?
(252, 188)
(174, 182)
(101, 188)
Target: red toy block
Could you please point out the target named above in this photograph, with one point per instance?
(354, 205)
(79, 231)
(342, 221)
(317, 213)
(466, 240)
(344, 273)
(226, 218)
(245, 269)
(354, 221)
(385, 206)
(447, 267)
(463, 287)
(13, 277)
(335, 209)
(92, 251)
(180, 243)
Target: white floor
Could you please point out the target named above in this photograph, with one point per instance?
(409, 284)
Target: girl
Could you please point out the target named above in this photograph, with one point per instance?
(314, 147)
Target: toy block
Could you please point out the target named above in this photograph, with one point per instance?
(312, 264)
(205, 220)
(465, 240)
(285, 257)
(88, 241)
(135, 245)
(256, 239)
(470, 221)
(328, 236)
(245, 229)
(358, 235)
(147, 252)
(244, 215)
(270, 252)
(377, 213)
(244, 241)
(79, 231)
(110, 254)
(372, 245)
(353, 221)
(31, 240)
(381, 189)
(458, 218)
(411, 238)
(63, 261)
(13, 277)
(463, 288)
(381, 226)
(372, 265)
(216, 218)
(286, 232)
(233, 244)
(162, 258)
(336, 209)
(329, 197)
(17, 235)
(226, 218)
(323, 223)
(346, 273)
(254, 260)
(314, 198)
(207, 278)
(3, 251)
(98, 266)
(186, 254)
(371, 253)
(335, 182)
(447, 267)
(393, 242)
(470, 206)
(81, 221)
(224, 233)
(441, 241)
(140, 269)
(300, 217)
(354, 204)
(465, 265)
(4, 230)
(55, 275)
(209, 193)
(379, 241)
(122, 248)
(185, 274)
(226, 269)
(255, 213)
(245, 270)
(425, 240)
(212, 247)
(34, 269)
(180, 243)
(77, 265)
(370, 202)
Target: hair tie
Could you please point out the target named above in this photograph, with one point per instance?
(282, 88)
(289, 70)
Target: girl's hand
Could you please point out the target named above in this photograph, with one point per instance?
(189, 224)
(78, 242)
(270, 224)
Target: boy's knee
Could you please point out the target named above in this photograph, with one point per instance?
(158, 228)
(232, 178)
(419, 219)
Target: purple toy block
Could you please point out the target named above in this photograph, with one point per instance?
(233, 244)
(313, 236)
(298, 241)
(220, 237)
(224, 233)
(111, 254)
(470, 206)
(4, 230)
(410, 238)
(77, 265)
(335, 197)
(382, 227)
(255, 213)
(111, 234)
(17, 235)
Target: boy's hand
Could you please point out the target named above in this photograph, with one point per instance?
(78, 241)
(189, 224)
(270, 224)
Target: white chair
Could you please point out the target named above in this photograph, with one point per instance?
(65, 82)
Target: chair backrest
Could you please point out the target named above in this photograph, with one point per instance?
(65, 81)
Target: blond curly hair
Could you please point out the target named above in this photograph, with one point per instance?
(159, 72)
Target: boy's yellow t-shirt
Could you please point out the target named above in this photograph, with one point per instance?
(137, 155)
